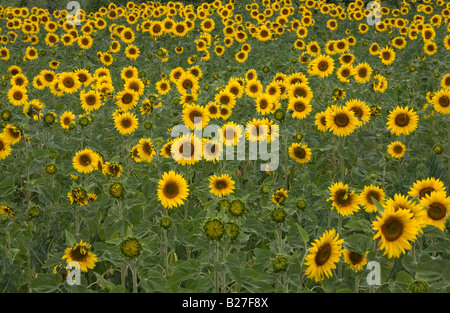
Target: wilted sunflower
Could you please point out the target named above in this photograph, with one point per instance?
(279, 196)
(221, 185)
(345, 201)
(323, 256)
(85, 161)
(396, 229)
(402, 120)
(355, 260)
(79, 196)
(300, 153)
(437, 206)
(80, 253)
(172, 190)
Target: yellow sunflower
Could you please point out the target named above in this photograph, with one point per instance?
(126, 123)
(402, 120)
(80, 253)
(366, 195)
(221, 185)
(145, 150)
(300, 153)
(424, 187)
(85, 161)
(396, 229)
(172, 190)
(67, 119)
(355, 260)
(437, 207)
(323, 256)
(396, 149)
(341, 121)
(345, 201)
(5, 147)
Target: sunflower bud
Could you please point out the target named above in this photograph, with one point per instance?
(116, 190)
(214, 229)
(418, 286)
(302, 204)
(148, 125)
(237, 207)
(278, 215)
(233, 230)
(33, 212)
(165, 222)
(279, 263)
(172, 257)
(50, 169)
(438, 148)
(131, 247)
(223, 204)
(49, 119)
(6, 115)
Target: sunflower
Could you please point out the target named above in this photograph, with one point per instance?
(396, 149)
(68, 82)
(5, 147)
(172, 190)
(322, 66)
(112, 169)
(129, 72)
(225, 97)
(187, 149)
(402, 202)
(437, 206)
(127, 99)
(321, 121)
(163, 86)
(341, 121)
(84, 77)
(366, 195)
(221, 185)
(85, 161)
(47, 77)
(323, 256)
(187, 82)
(212, 150)
(17, 95)
(31, 53)
(85, 42)
(343, 200)
(441, 100)
(395, 229)
(253, 88)
(135, 84)
(90, 100)
(132, 52)
(344, 72)
(231, 133)
(301, 108)
(180, 29)
(67, 119)
(264, 104)
(300, 153)
(145, 150)
(424, 187)
(19, 80)
(4, 209)
(279, 196)
(165, 151)
(12, 134)
(387, 56)
(362, 72)
(195, 116)
(212, 109)
(430, 47)
(126, 123)
(402, 120)
(300, 90)
(80, 253)
(355, 260)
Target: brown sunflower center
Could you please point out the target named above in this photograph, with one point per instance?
(402, 120)
(355, 258)
(171, 190)
(323, 66)
(68, 82)
(85, 160)
(323, 254)
(189, 152)
(299, 152)
(221, 184)
(341, 120)
(91, 100)
(444, 101)
(362, 72)
(126, 123)
(18, 95)
(436, 211)
(392, 228)
(127, 98)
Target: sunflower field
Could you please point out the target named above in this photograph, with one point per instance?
(263, 146)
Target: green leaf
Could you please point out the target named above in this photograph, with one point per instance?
(189, 269)
(358, 243)
(434, 270)
(303, 234)
(70, 239)
(7, 187)
(46, 283)
(118, 289)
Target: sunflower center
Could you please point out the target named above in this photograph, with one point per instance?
(221, 184)
(91, 100)
(323, 254)
(68, 82)
(402, 120)
(171, 190)
(126, 123)
(180, 28)
(18, 95)
(300, 92)
(253, 88)
(358, 112)
(224, 99)
(66, 121)
(127, 98)
(444, 101)
(195, 114)
(355, 258)
(2, 146)
(299, 152)
(323, 66)
(398, 149)
(341, 120)
(436, 211)
(82, 78)
(79, 254)
(362, 72)
(342, 197)
(373, 194)
(147, 148)
(263, 104)
(386, 55)
(345, 73)
(189, 152)
(187, 84)
(85, 160)
(392, 229)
